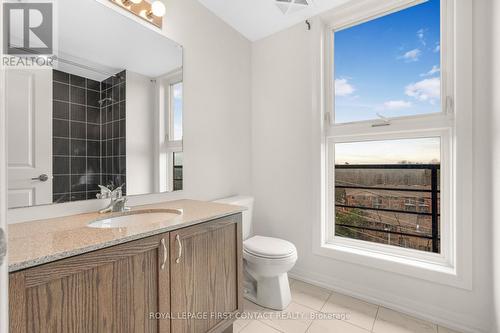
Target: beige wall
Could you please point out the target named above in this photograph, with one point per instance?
(217, 100)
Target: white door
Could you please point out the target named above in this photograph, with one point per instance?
(29, 136)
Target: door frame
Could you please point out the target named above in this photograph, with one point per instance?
(4, 313)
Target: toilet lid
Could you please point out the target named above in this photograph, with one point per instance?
(268, 247)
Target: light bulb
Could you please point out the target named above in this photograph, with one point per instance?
(158, 8)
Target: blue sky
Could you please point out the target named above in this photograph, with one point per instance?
(389, 66)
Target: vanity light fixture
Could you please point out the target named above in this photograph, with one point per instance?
(151, 12)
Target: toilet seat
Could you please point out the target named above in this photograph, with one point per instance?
(277, 263)
(269, 248)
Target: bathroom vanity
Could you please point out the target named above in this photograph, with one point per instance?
(177, 274)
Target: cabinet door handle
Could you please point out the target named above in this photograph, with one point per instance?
(164, 253)
(179, 244)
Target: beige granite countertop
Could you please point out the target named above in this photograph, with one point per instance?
(38, 242)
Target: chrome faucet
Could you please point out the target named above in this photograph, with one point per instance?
(118, 202)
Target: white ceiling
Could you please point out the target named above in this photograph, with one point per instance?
(256, 19)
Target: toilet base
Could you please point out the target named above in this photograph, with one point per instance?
(269, 292)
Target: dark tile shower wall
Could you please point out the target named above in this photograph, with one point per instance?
(81, 138)
(76, 137)
(113, 131)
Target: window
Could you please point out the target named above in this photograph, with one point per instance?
(174, 119)
(177, 172)
(170, 132)
(408, 170)
(390, 134)
(176, 105)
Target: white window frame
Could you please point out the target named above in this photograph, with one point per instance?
(453, 265)
(173, 146)
(166, 143)
(445, 257)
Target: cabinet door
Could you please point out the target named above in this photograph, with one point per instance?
(206, 275)
(110, 290)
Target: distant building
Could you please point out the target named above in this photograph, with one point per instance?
(360, 204)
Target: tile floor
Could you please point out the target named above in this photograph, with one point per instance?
(308, 302)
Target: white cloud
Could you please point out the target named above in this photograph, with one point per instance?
(435, 69)
(412, 55)
(425, 90)
(343, 88)
(421, 36)
(437, 48)
(397, 105)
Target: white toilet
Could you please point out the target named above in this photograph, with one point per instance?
(266, 262)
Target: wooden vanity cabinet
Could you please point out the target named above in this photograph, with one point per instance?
(119, 288)
(206, 275)
(109, 290)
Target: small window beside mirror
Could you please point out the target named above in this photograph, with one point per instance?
(108, 112)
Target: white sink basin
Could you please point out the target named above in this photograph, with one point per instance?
(135, 218)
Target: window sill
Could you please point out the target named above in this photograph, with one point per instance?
(432, 271)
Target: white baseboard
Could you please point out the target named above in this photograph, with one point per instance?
(410, 307)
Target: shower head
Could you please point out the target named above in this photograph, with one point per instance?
(104, 100)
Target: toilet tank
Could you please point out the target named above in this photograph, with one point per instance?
(244, 201)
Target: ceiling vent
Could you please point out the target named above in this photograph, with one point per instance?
(292, 6)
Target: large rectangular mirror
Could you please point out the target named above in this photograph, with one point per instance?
(108, 112)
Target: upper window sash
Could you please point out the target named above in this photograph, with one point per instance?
(369, 10)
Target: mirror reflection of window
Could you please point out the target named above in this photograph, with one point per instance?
(174, 135)
(178, 171)
(176, 129)
(176, 107)
(170, 93)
